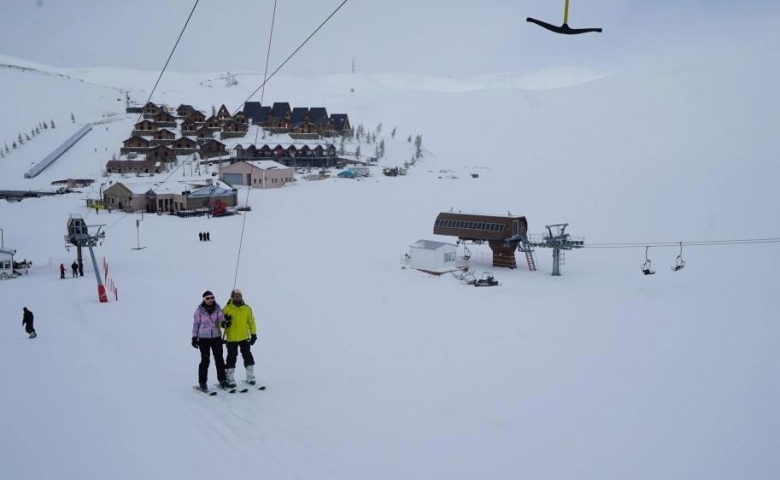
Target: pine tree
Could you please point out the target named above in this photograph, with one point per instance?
(379, 129)
(52, 124)
(418, 146)
(72, 118)
(381, 149)
(409, 140)
(341, 146)
(26, 137)
(45, 126)
(14, 145)
(357, 152)
(6, 148)
(213, 111)
(392, 133)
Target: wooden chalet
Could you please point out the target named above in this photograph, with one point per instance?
(184, 146)
(164, 119)
(212, 148)
(145, 128)
(203, 134)
(134, 144)
(150, 110)
(213, 123)
(197, 116)
(185, 110)
(319, 119)
(279, 119)
(161, 152)
(256, 113)
(240, 117)
(501, 232)
(133, 166)
(223, 113)
(188, 126)
(163, 137)
(340, 123)
(232, 129)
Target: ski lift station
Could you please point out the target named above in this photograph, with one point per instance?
(6, 263)
(432, 257)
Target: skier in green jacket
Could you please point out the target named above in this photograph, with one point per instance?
(240, 334)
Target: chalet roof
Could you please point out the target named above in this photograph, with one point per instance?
(318, 115)
(186, 108)
(298, 116)
(280, 109)
(137, 137)
(210, 141)
(431, 244)
(140, 188)
(266, 164)
(217, 189)
(340, 121)
(254, 111)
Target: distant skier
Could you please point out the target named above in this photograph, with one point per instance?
(27, 323)
(207, 337)
(240, 333)
(62, 270)
(75, 267)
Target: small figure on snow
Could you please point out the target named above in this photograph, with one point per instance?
(75, 267)
(27, 323)
(240, 334)
(207, 337)
(200, 236)
(62, 270)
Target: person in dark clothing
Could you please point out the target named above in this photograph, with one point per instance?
(27, 323)
(75, 267)
(208, 236)
(207, 337)
(62, 270)
(200, 236)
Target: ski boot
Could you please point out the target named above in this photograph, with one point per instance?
(250, 374)
(230, 378)
(203, 387)
(33, 335)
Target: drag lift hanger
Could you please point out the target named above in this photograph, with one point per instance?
(564, 29)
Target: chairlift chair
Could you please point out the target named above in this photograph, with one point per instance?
(563, 29)
(679, 263)
(646, 267)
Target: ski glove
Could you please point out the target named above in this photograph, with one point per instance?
(194, 342)
(228, 317)
(253, 340)
(225, 323)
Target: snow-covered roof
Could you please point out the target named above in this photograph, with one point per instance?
(216, 190)
(266, 164)
(431, 244)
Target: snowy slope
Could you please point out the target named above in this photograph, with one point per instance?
(379, 372)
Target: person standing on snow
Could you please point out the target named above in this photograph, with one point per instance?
(207, 337)
(62, 270)
(27, 323)
(240, 334)
(75, 267)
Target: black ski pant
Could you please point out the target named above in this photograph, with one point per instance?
(208, 346)
(246, 353)
(28, 327)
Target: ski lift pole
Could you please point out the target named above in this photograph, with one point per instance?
(566, 12)
(101, 288)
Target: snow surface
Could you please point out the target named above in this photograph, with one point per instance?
(379, 372)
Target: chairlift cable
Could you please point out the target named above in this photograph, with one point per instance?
(170, 56)
(249, 187)
(266, 80)
(695, 243)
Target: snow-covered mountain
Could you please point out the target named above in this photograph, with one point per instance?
(374, 371)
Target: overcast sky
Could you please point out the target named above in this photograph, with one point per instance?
(442, 37)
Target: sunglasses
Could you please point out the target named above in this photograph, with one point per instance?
(208, 298)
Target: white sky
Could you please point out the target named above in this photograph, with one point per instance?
(383, 373)
(452, 37)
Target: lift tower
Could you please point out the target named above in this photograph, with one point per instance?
(78, 235)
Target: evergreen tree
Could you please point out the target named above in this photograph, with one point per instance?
(26, 137)
(14, 145)
(45, 126)
(418, 146)
(213, 111)
(379, 129)
(6, 148)
(409, 140)
(357, 152)
(72, 118)
(341, 146)
(52, 124)
(20, 139)
(392, 133)
(381, 149)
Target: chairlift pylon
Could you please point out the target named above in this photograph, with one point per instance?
(646, 267)
(679, 263)
(564, 29)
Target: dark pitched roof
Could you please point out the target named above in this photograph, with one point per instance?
(318, 115)
(298, 116)
(340, 120)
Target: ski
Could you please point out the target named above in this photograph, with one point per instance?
(255, 384)
(232, 389)
(210, 393)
